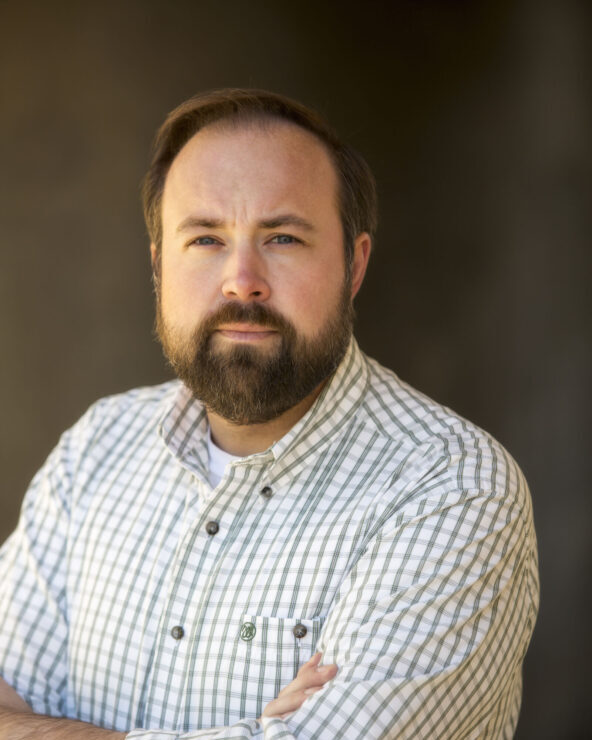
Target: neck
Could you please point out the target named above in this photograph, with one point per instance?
(248, 439)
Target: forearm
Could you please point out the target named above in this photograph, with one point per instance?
(16, 725)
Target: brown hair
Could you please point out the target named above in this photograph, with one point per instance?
(357, 189)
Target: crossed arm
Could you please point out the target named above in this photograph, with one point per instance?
(19, 722)
(429, 628)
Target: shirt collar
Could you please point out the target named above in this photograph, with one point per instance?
(336, 404)
(184, 425)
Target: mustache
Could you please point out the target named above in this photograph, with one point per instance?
(251, 313)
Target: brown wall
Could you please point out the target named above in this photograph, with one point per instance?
(476, 117)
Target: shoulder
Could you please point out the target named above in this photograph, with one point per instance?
(443, 450)
(115, 420)
(453, 482)
(141, 403)
(403, 410)
(108, 426)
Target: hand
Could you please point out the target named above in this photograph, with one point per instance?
(309, 679)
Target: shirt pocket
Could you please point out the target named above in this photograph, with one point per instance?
(271, 650)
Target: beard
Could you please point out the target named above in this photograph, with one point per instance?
(250, 385)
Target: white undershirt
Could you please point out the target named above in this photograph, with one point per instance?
(219, 459)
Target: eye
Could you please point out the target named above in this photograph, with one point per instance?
(205, 241)
(285, 239)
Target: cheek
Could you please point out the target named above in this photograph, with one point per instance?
(314, 300)
(181, 295)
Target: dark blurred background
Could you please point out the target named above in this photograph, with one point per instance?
(477, 120)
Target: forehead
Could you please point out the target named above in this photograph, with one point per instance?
(262, 164)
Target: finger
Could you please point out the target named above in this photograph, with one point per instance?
(288, 702)
(310, 675)
(312, 680)
(311, 664)
(315, 660)
(313, 674)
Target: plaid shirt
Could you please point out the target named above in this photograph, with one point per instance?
(383, 530)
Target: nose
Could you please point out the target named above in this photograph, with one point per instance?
(245, 277)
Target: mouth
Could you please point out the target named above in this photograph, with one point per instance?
(240, 332)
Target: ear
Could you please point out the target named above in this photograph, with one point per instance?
(156, 268)
(362, 249)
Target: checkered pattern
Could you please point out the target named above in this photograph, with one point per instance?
(398, 534)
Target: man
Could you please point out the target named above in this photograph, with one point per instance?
(189, 551)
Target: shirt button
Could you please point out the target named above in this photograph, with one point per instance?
(299, 631)
(212, 527)
(177, 632)
(266, 492)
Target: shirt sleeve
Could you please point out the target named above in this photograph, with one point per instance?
(33, 611)
(430, 627)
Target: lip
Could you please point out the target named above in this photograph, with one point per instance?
(245, 332)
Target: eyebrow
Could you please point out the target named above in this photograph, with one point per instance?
(192, 222)
(286, 219)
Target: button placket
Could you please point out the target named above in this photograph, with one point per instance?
(176, 613)
(211, 526)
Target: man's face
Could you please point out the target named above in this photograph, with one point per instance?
(254, 309)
